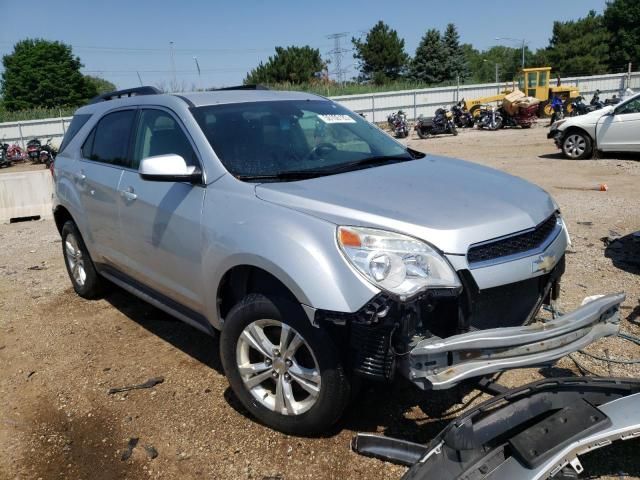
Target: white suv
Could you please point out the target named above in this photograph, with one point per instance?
(614, 128)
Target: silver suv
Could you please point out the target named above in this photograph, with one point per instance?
(323, 250)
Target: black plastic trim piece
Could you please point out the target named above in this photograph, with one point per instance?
(158, 297)
(241, 87)
(129, 92)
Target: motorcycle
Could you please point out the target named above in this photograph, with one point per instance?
(33, 150)
(47, 153)
(4, 159)
(578, 107)
(441, 122)
(596, 102)
(489, 118)
(398, 123)
(14, 153)
(461, 117)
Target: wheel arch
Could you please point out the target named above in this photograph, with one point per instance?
(576, 129)
(243, 279)
(61, 216)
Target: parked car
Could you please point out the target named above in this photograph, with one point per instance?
(614, 128)
(322, 249)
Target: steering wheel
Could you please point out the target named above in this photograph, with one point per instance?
(323, 148)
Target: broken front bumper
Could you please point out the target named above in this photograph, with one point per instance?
(436, 363)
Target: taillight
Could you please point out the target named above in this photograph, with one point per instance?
(51, 169)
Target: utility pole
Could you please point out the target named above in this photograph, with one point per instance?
(173, 65)
(629, 76)
(519, 40)
(337, 54)
(195, 59)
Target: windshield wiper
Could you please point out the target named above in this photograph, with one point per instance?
(288, 175)
(369, 161)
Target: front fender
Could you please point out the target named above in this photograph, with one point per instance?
(298, 249)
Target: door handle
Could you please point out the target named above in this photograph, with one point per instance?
(81, 176)
(128, 194)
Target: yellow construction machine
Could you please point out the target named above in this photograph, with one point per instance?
(534, 82)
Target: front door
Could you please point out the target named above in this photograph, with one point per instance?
(620, 131)
(160, 221)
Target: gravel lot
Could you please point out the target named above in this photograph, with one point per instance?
(60, 354)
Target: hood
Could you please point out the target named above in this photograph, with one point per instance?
(591, 117)
(447, 202)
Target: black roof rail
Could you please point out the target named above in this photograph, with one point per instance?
(242, 87)
(129, 92)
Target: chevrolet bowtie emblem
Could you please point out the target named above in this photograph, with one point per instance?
(544, 263)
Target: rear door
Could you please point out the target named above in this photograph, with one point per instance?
(97, 176)
(620, 132)
(160, 221)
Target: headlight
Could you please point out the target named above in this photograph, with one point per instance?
(399, 264)
(558, 123)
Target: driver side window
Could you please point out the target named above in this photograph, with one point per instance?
(158, 133)
(631, 107)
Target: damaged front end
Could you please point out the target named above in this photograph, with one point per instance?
(436, 363)
(447, 336)
(530, 432)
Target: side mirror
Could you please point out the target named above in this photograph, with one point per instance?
(168, 168)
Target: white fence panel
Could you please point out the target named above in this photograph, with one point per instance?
(377, 106)
(23, 131)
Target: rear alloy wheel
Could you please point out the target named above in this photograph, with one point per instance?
(82, 273)
(577, 146)
(284, 371)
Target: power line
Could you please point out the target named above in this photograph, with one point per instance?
(337, 54)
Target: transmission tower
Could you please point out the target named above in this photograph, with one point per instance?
(338, 72)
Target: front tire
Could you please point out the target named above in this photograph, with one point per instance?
(286, 372)
(83, 275)
(422, 133)
(577, 146)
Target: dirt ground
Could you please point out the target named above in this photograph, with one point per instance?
(59, 354)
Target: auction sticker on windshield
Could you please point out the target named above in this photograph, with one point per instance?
(336, 119)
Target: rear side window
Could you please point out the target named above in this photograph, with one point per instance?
(77, 122)
(109, 140)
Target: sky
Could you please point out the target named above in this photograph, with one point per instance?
(119, 40)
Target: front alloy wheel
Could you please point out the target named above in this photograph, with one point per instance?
(285, 371)
(277, 367)
(577, 146)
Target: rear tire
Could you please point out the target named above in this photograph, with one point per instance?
(577, 146)
(83, 275)
(301, 390)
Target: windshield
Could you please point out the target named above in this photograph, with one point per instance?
(275, 138)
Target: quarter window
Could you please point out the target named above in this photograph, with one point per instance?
(158, 133)
(109, 141)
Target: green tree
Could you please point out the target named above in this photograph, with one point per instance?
(580, 47)
(292, 64)
(44, 74)
(428, 64)
(622, 19)
(100, 84)
(381, 55)
(455, 62)
(509, 61)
